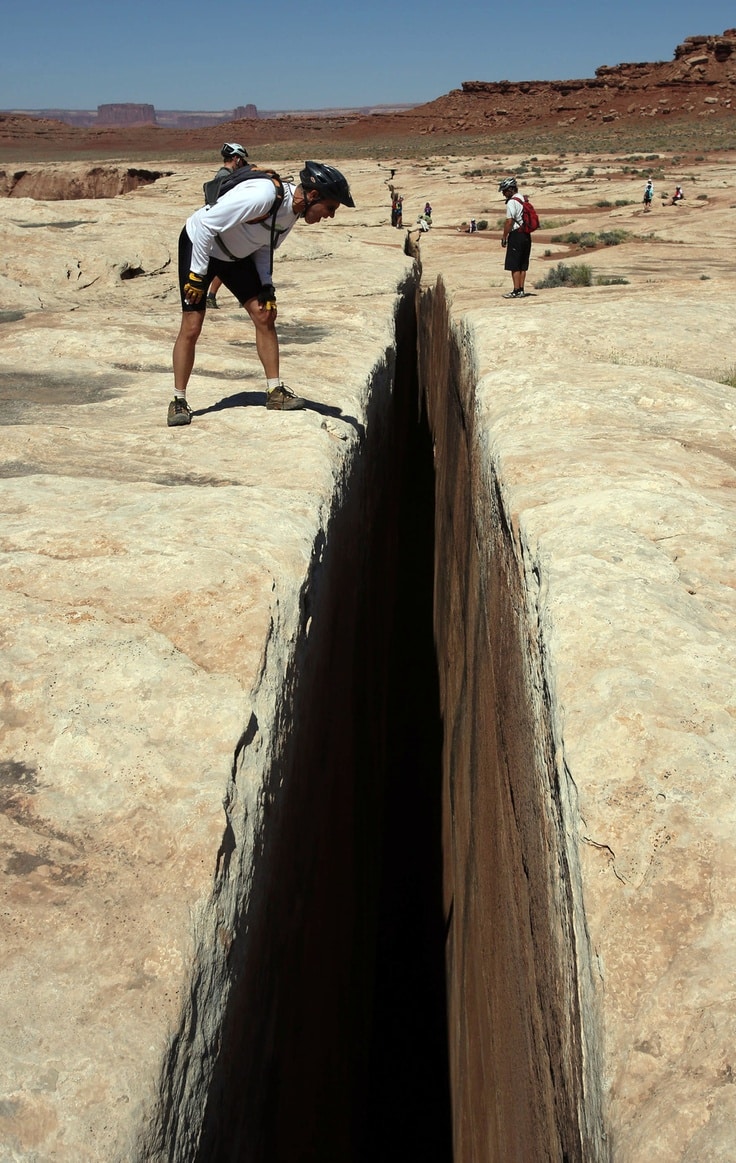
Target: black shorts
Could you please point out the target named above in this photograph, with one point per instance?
(240, 277)
(518, 249)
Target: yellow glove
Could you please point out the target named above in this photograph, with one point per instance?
(194, 289)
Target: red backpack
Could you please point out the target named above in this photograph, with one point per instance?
(529, 216)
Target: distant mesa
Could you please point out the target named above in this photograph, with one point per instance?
(126, 115)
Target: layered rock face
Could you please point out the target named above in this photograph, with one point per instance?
(700, 80)
(198, 649)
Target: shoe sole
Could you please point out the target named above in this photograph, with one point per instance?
(178, 422)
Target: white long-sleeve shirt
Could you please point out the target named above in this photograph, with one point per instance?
(229, 218)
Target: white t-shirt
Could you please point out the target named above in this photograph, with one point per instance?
(515, 212)
(229, 218)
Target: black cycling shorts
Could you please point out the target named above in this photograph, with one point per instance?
(240, 277)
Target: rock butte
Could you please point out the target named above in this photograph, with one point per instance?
(198, 644)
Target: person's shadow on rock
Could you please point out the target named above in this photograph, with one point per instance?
(258, 400)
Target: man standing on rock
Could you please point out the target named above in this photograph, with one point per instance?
(235, 240)
(234, 157)
(516, 240)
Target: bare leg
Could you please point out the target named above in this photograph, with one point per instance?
(267, 341)
(184, 348)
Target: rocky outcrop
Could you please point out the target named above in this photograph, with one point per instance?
(245, 113)
(52, 184)
(703, 67)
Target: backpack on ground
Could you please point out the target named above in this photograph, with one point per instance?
(529, 216)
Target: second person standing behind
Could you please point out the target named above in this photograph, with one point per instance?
(234, 157)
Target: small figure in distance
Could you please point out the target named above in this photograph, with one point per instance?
(400, 211)
(427, 210)
(648, 195)
(229, 240)
(233, 157)
(677, 196)
(516, 240)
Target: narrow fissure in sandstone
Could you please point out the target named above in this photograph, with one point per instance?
(406, 978)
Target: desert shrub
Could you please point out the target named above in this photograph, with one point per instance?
(574, 275)
(588, 239)
(584, 238)
(603, 203)
(482, 224)
(613, 237)
(623, 202)
(701, 198)
(611, 281)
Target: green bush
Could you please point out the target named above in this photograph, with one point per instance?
(575, 275)
(588, 239)
(482, 224)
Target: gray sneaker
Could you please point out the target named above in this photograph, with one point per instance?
(211, 301)
(179, 413)
(282, 399)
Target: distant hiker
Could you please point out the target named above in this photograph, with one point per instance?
(648, 195)
(394, 207)
(427, 210)
(516, 239)
(235, 240)
(234, 156)
(400, 211)
(677, 196)
(472, 229)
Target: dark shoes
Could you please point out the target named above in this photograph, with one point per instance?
(282, 399)
(179, 412)
(516, 295)
(211, 301)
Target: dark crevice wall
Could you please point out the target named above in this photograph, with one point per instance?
(524, 1083)
(334, 1042)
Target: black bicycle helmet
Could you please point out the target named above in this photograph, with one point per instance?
(327, 181)
(508, 184)
(232, 149)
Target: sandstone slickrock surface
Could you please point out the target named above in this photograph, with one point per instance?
(159, 588)
(153, 584)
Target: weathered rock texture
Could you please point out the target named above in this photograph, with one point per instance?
(195, 626)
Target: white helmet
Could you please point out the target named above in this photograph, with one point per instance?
(232, 149)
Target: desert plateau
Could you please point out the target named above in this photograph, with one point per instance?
(368, 772)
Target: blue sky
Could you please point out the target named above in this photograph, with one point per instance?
(309, 54)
